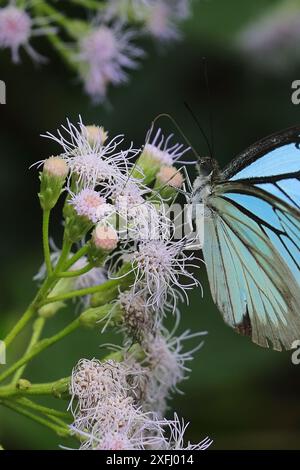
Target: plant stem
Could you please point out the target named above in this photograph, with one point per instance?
(39, 347)
(59, 429)
(56, 388)
(79, 254)
(76, 273)
(81, 292)
(37, 328)
(46, 217)
(49, 11)
(23, 401)
(46, 286)
(28, 314)
(90, 4)
(62, 262)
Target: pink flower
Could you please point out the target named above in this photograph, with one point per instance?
(105, 54)
(16, 29)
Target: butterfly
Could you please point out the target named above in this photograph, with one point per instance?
(251, 244)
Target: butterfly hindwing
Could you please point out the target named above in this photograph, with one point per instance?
(251, 280)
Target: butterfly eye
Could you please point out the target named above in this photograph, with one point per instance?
(206, 166)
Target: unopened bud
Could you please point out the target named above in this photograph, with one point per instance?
(96, 135)
(52, 178)
(168, 181)
(56, 166)
(148, 164)
(104, 240)
(91, 317)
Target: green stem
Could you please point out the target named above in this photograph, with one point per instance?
(82, 292)
(28, 314)
(89, 4)
(37, 328)
(49, 11)
(23, 401)
(60, 430)
(46, 286)
(39, 347)
(50, 412)
(79, 254)
(46, 217)
(56, 388)
(78, 272)
(62, 262)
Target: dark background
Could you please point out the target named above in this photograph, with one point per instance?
(244, 397)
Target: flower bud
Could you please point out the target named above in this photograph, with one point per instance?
(168, 181)
(96, 135)
(91, 317)
(148, 164)
(52, 178)
(104, 240)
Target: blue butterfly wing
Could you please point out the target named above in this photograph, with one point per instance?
(252, 240)
(272, 164)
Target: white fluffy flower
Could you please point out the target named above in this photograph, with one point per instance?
(139, 321)
(120, 425)
(108, 417)
(16, 29)
(93, 161)
(175, 441)
(161, 271)
(106, 52)
(89, 204)
(167, 363)
(141, 219)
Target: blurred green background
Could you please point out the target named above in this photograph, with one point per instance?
(242, 396)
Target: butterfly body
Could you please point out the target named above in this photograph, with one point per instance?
(252, 238)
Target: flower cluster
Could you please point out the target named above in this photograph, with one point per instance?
(108, 414)
(121, 255)
(101, 51)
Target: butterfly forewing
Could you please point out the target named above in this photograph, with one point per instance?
(252, 241)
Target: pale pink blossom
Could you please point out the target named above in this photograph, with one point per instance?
(106, 53)
(17, 27)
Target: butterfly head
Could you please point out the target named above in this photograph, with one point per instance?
(208, 172)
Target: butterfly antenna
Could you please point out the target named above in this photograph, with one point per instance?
(168, 116)
(200, 128)
(211, 122)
